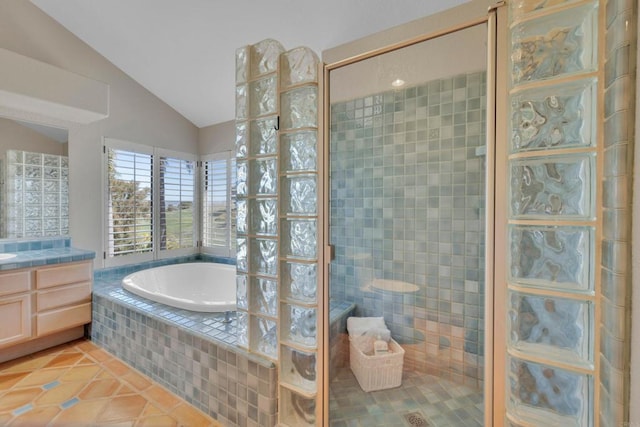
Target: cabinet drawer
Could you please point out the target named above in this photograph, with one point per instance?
(11, 283)
(64, 318)
(63, 295)
(15, 313)
(62, 275)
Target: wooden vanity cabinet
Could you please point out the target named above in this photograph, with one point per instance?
(43, 306)
(15, 307)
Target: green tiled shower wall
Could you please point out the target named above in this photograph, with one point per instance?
(578, 58)
(407, 203)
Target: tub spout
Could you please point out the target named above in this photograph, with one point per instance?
(227, 317)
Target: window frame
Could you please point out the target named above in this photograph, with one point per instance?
(155, 253)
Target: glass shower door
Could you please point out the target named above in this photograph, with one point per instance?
(407, 223)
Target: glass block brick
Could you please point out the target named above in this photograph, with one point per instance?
(299, 65)
(33, 184)
(264, 295)
(64, 162)
(540, 392)
(559, 258)
(263, 96)
(264, 175)
(51, 161)
(242, 64)
(299, 194)
(264, 336)
(299, 238)
(298, 368)
(264, 137)
(51, 211)
(241, 102)
(553, 45)
(299, 151)
(241, 255)
(552, 186)
(32, 211)
(300, 282)
(264, 217)
(556, 328)
(299, 324)
(242, 329)
(264, 256)
(52, 186)
(32, 197)
(558, 116)
(51, 198)
(33, 158)
(51, 173)
(241, 216)
(242, 295)
(241, 178)
(33, 227)
(33, 172)
(241, 139)
(299, 108)
(264, 57)
(296, 409)
(522, 8)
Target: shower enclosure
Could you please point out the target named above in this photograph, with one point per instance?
(407, 197)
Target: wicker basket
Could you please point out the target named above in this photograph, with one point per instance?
(377, 372)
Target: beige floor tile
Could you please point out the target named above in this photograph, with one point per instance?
(5, 418)
(80, 373)
(100, 355)
(189, 416)
(82, 413)
(64, 359)
(151, 410)
(25, 365)
(60, 393)
(17, 398)
(138, 381)
(161, 397)
(42, 377)
(125, 390)
(122, 408)
(101, 388)
(9, 380)
(117, 367)
(157, 421)
(36, 417)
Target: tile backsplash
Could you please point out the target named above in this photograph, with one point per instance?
(408, 204)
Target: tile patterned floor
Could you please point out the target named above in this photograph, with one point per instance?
(79, 384)
(440, 402)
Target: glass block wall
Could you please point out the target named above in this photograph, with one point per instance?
(407, 205)
(569, 161)
(277, 226)
(37, 194)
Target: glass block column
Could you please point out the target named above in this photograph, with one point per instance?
(277, 222)
(562, 328)
(257, 197)
(299, 209)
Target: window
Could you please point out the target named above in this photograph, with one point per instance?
(218, 203)
(151, 198)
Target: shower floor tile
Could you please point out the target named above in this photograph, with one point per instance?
(440, 402)
(81, 384)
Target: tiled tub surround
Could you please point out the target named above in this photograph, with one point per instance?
(407, 203)
(192, 354)
(41, 251)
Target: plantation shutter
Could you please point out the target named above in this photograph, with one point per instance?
(129, 225)
(218, 209)
(177, 202)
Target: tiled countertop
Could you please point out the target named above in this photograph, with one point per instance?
(38, 257)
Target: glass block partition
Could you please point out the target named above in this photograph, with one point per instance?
(37, 194)
(277, 259)
(571, 102)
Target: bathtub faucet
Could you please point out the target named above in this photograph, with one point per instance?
(227, 317)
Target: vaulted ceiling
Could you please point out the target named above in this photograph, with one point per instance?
(183, 51)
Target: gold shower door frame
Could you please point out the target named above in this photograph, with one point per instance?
(474, 13)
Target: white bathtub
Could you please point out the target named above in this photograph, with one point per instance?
(198, 286)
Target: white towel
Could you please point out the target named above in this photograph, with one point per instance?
(363, 331)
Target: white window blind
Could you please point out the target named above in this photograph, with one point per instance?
(177, 203)
(218, 203)
(129, 223)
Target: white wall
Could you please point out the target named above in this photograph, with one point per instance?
(134, 113)
(14, 136)
(217, 138)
